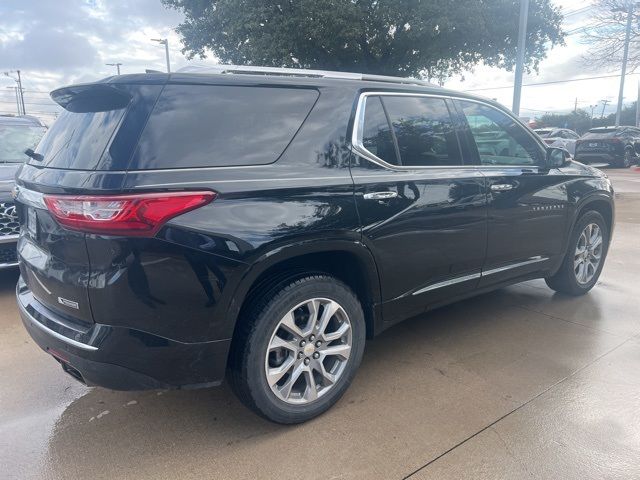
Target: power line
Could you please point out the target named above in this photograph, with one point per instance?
(578, 11)
(554, 82)
(582, 28)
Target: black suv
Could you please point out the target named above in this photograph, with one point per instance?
(264, 223)
(616, 146)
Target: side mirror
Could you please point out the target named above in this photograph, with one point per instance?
(557, 157)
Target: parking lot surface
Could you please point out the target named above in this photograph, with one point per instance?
(518, 383)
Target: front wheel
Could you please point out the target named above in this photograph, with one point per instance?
(585, 256)
(298, 349)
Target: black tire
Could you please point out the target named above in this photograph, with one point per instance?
(249, 347)
(627, 159)
(565, 279)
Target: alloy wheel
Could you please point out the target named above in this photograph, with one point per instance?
(308, 351)
(588, 253)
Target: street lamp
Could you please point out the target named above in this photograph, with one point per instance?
(165, 42)
(117, 65)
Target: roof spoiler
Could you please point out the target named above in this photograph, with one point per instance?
(91, 97)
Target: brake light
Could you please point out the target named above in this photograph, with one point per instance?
(140, 215)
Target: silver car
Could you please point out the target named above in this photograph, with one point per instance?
(559, 137)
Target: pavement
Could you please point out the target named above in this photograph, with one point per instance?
(518, 383)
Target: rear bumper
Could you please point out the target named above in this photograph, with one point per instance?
(121, 358)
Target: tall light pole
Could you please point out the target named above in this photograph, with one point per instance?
(165, 42)
(625, 57)
(117, 65)
(522, 42)
(20, 90)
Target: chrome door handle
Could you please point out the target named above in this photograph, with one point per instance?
(501, 187)
(380, 195)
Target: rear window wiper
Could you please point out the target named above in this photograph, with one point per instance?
(36, 156)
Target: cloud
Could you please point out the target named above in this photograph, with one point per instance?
(49, 50)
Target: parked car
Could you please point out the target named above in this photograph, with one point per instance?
(616, 146)
(17, 134)
(264, 222)
(559, 137)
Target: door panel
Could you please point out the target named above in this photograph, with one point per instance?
(526, 201)
(432, 231)
(526, 223)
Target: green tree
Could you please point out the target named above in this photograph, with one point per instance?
(432, 38)
(579, 121)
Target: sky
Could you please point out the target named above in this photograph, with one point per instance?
(60, 42)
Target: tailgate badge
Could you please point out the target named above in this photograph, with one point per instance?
(68, 303)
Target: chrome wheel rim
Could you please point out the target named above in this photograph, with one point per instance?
(308, 351)
(588, 253)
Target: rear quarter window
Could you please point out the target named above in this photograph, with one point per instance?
(212, 125)
(77, 140)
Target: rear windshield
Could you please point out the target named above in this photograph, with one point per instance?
(212, 125)
(15, 139)
(76, 140)
(601, 133)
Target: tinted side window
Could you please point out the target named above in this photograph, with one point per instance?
(424, 131)
(499, 138)
(211, 125)
(376, 133)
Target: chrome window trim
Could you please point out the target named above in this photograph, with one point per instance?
(481, 274)
(358, 127)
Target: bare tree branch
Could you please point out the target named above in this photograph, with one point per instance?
(607, 33)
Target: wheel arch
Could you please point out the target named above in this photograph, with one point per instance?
(351, 262)
(601, 203)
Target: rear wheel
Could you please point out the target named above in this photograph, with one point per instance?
(585, 256)
(627, 159)
(299, 349)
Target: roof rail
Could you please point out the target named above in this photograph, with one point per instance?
(299, 72)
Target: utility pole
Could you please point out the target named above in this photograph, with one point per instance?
(117, 65)
(604, 105)
(522, 42)
(575, 107)
(625, 57)
(24, 111)
(165, 42)
(19, 88)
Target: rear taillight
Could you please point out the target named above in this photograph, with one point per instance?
(139, 215)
